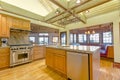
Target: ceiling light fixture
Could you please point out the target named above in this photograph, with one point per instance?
(86, 11)
(78, 1)
(68, 0)
(57, 12)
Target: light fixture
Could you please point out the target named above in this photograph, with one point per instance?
(86, 11)
(57, 12)
(78, 1)
(93, 32)
(89, 32)
(68, 0)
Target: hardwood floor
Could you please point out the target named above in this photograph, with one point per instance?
(37, 70)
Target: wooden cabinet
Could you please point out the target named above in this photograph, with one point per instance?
(56, 59)
(26, 25)
(110, 52)
(7, 22)
(50, 59)
(20, 24)
(4, 27)
(38, 52)
(4, 57)
(60, 63)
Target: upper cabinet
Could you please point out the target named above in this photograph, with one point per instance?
(20, 24)
(7, 22)
(4, 26)
(26, 25)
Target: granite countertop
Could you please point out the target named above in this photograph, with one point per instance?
(80, 48)
(39, 45)
(5, 47)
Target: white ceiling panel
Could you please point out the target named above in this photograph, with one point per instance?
(40, 7)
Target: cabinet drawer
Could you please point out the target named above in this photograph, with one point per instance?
(56, 51)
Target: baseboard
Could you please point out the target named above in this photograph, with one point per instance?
(116, 65)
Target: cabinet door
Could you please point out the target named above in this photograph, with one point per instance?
(4, 28)
(50, 59)
(9, 22)
(4, 61)
(60, 63)
(15, 23)
(26, 25)
(4, 57)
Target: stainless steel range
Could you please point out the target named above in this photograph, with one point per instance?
(20, 54)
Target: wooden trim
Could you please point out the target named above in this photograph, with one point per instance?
(116, 65)
(93, 6)
(81, 11)
(90, 67)
(69, 9)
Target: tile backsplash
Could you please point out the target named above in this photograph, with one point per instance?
(18, 37)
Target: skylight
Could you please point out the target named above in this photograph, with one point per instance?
(40, 7)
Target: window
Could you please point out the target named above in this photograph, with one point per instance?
(43, 34)
(63, 38)
(82, 38)
(71, 38)
(32, 39)
(55, 39)
(75, 38)
(94, 38)
(43, 40)
(107, 37)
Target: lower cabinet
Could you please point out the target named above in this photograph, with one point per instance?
(60, 63)
(56, 59)
(38, 52)
(4, 57)
(50, 59)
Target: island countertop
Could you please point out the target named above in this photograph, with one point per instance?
(80, 48)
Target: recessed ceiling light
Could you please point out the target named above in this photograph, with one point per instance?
(86, 11)
(78, 1)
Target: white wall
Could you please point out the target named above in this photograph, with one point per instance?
(101, 19)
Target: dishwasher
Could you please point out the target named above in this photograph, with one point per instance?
(77, 66)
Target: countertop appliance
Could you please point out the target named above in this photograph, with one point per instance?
(20, 54)
(77, 66)
(4, 42)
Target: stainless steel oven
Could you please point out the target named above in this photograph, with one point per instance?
(20, 55)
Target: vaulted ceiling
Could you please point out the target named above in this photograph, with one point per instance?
(60, 12)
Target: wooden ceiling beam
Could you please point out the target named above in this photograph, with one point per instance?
(69, 9)
(56, 3)
(81, 11)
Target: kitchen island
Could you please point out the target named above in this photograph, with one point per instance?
(74, 62)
